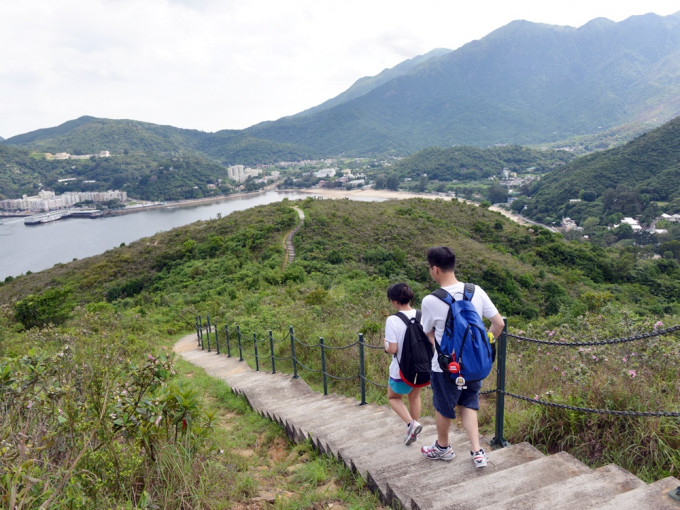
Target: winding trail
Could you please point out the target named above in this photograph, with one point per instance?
(369, 440)
(288, 241)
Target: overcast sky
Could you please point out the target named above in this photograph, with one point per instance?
(229, 64)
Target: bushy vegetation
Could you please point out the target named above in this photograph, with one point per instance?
(639, 179)
(631, 376)
(473, 164)
(118, 399)
(143, 175)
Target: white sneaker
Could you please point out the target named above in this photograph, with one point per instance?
(412, 432)
(480, 458)
(436, 453)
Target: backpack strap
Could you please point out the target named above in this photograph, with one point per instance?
(443, 295)
(406, 320)
(448, 298)
(469, 291)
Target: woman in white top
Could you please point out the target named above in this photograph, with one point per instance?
(401, 296)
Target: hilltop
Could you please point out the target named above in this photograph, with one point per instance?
(85, 343)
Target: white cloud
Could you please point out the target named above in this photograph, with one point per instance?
(214, 64)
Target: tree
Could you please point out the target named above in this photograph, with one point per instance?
(392, 182)
(497, 194)
(624, 231)
(422, 182)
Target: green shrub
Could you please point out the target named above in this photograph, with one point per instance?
(51, 307)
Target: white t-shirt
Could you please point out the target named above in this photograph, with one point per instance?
(395, 329)
(435, 312)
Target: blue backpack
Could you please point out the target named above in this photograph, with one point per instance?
(464, 339)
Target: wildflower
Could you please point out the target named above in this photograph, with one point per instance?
(158, 420)
(594, 357)
(535, 397)
(29, 405)
(556, 368)
(658, 325)
(625, 359)
(632, 373)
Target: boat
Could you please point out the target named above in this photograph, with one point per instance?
(39, 219)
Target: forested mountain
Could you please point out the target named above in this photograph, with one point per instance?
(368, 83)
(525, 83)
(630, 180)
(87, 135)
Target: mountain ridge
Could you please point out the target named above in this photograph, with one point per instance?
(524, 83)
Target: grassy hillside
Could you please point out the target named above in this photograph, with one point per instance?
(630, 180)
(472, 163)
(84, 345)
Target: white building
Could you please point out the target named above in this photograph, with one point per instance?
(48, 201)
(670, 217)
(239, 173)
(325, 172)
(633, 223)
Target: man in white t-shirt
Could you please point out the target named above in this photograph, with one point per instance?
(445, 393)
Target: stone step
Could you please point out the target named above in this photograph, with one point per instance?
(480, 488)
(400, 484)
(369, 440)
(589, 490)
(653, 496)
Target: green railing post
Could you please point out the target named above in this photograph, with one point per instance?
(198, 332)
(207, 329)
(362, 374)
(200, 328)
(271, 350)
(226, 334)
(240, 349)
(217, 340)
(292, 353)
(323, 366)
(501, 348)
(257, 361)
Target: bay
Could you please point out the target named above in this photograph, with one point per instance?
(34, 248)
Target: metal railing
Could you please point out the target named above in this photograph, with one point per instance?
(204, 331)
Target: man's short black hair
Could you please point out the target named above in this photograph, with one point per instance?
(442, 257)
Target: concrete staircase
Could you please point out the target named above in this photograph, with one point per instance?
(368, 439)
